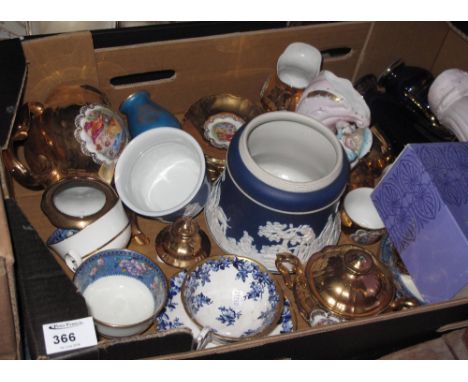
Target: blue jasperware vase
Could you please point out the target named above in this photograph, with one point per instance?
(280, 191)
(143, 114)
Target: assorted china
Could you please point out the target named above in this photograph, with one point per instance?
(280, 182)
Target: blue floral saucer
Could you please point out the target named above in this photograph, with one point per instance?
(174, 316)
(403, 281)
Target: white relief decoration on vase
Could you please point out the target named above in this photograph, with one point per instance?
(301, 241)
(192, 209)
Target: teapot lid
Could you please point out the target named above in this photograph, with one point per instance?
(349, 281)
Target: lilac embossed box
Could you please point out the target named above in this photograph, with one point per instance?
(423, 201)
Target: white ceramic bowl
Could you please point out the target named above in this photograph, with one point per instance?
(110, 231)
(161, 174)
(123, 290)
(235, 297)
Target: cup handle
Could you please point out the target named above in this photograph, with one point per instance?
(19, 134)
(106, 172)
(73, 260)
(295, 280)
(93, 89)
(204, 337)
(137, 234)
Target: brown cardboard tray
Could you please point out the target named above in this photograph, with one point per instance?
(238, 63)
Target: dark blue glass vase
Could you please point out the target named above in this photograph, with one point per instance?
(143, 114)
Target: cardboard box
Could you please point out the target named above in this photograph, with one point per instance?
(423, 201)
(9, 321)
(12, 77)
(178, 69)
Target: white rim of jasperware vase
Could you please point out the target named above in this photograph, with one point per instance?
(282, 184)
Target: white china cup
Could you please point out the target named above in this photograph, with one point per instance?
(161, 174)
(110, 231)
(360, 219)
(299, 64)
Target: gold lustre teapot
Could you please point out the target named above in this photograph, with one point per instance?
(346, 280)
(74, 132)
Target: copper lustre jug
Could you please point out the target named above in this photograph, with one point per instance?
(346, 280)
(74, 132)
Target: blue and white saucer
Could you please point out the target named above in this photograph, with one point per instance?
(174, 316)
(404, 283)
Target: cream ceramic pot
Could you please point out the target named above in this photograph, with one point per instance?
(110, 231)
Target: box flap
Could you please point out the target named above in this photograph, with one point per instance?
(57, 60)
(12, 78)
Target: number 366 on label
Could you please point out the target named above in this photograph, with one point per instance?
(69, 335)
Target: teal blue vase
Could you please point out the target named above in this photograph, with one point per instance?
(143, 114)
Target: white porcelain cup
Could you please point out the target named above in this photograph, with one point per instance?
(359, 217)
(110, 231)
(161, 174)
(299, 64)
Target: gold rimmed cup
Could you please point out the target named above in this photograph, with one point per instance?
(77, 201)
(359, 217)
(232, 298)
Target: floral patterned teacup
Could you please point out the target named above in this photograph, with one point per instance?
(123, 290)
(231, 298)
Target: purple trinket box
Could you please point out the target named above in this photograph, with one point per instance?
(423, 201)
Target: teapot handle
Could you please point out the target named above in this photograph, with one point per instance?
(137, 234)
(93, 89)
(295, 280)
(19, 134)
(403, 303)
